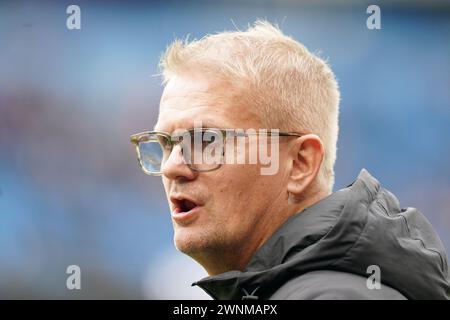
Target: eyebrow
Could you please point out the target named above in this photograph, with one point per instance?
(204, 125)
(207, 125)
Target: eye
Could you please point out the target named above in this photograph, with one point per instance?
(210, 137)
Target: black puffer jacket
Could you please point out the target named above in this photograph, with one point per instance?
(324, 252)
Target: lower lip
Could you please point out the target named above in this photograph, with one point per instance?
(183, 217)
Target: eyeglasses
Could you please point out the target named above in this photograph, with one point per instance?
(203, 149)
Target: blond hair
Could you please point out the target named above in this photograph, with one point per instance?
(289, 87)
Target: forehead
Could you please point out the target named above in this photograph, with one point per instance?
(196, 98)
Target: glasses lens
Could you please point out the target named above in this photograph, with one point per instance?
(151, 153)
(203, 149)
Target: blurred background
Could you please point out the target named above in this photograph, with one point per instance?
(71, 191)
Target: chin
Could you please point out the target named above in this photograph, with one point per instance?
(193, 240)
(187, 241)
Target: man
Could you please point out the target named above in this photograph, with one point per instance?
(283, 235)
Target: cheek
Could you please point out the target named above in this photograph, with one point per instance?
(237, 186)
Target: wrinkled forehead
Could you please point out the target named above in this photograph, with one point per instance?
(189, 99)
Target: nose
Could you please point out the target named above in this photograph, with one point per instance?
(175, 167)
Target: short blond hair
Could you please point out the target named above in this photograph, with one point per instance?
(289, 87)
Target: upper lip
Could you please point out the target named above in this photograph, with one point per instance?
(176, 200)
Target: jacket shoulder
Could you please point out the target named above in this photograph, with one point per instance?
(333, 285)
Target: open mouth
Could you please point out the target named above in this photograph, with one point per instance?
(183, 205)
(185, 210)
